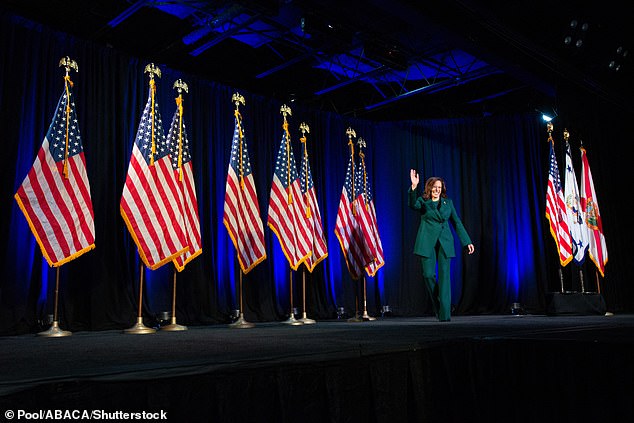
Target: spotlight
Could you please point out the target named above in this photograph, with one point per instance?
(548, 113)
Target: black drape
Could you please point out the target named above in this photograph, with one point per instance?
(495, 168)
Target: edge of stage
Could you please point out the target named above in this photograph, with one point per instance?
(474, 368)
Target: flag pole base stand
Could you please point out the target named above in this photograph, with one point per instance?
(173, 326)
(293, 321)
(305, 320)
(241, 323)
(139, 328)
(54, 331)
(355, 319)
(367, 318)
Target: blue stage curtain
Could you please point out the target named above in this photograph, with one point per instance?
(495, 168)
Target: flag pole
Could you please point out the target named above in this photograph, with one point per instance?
(305, 128)
(139, 327)
(285, 110)
(583, 286)
(356, 317)
(561, 280)
(55, 330)
(351, 133)
(173, 326)
(365, 316)
(180, 87)
(549, 129)
(305, 319)
(241, 323)
(291, 319)
(361, 143)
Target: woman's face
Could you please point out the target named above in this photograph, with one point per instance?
(436, 189)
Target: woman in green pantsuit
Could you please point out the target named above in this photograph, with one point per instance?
(434, 241)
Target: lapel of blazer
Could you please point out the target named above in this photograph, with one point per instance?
(445, 210)
(433, 208)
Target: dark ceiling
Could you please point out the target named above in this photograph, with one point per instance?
(375, 59)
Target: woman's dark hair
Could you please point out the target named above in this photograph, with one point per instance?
(430, 183)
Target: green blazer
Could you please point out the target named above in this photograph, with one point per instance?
(434, 225)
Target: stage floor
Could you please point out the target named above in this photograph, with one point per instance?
(71, 371)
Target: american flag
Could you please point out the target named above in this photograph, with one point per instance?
(367, 218)
(348, 230)
(597, 248)
(578, 229)
(287, 209)
(55, 194)
(319, 249)
(150, 203)
(241, 210)
(556, 211)
(181, 159)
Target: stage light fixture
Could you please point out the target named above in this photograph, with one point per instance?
(163, 318)
(615, 64)
(576, 34)
(548, 113)
(341, 313)
(386, 311)
(517, 309)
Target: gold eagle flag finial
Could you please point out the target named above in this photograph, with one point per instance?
(351, 133)
(153, 70)
(180, 86)
(237, 99)
(549, 129)
(361, 144)
(69, 64)
(305, 129)
(285, 110)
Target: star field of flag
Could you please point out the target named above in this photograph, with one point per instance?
(172, 143)
(234, 161)
(285, 163)
(306, 177)
(57, 131)
(144, 135)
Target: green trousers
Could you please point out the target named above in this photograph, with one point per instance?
(439, 290)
